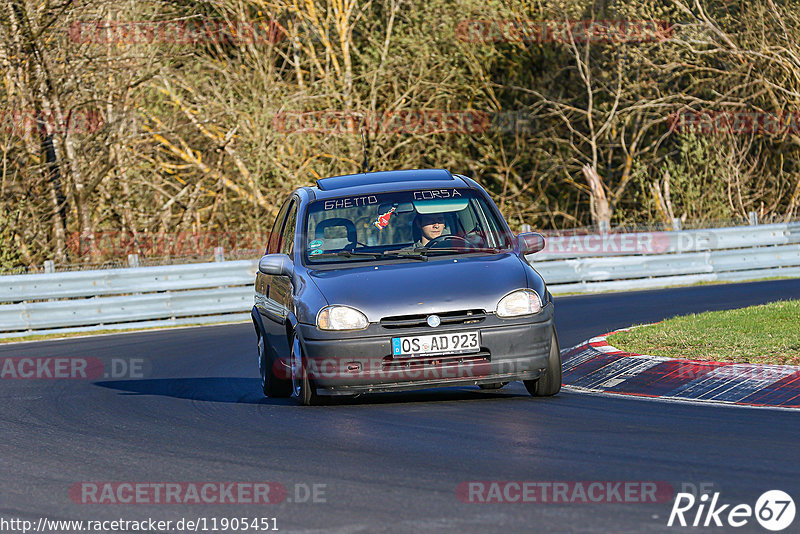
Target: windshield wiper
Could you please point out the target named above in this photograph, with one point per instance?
(376, 255)
(346, 254)
(406, 253)
(459, 250)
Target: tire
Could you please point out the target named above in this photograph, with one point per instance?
(302, 387)
(550, 383)
(271, 385)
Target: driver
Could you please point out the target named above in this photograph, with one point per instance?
(428, 226)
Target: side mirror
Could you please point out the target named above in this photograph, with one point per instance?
(530, 242)
(276, 264)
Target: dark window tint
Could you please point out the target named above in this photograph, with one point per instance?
(287, 239)
(274, 236)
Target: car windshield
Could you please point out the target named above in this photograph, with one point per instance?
(404, 224)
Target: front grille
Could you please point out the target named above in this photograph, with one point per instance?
(448, 318)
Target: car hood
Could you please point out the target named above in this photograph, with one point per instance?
(435, 286)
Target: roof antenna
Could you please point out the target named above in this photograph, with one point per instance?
(365, 165)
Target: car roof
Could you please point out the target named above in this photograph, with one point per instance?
(382, 181)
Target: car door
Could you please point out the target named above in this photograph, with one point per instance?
(270, 293)
(273, 244)
(280, 289)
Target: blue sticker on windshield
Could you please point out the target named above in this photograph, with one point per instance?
(315, 244)
(315, 252)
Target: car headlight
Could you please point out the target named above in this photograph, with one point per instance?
(519, 302)
(341, 318)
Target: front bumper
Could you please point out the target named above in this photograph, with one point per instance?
(362, 362)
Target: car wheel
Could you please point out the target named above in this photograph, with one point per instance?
(549, 383)
(271, 385)
(303, 388)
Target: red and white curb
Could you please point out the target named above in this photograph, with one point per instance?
(597, 366)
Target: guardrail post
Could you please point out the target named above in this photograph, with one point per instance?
(677, 224)
(133, 260)
(49, 266)
(526, 228)
(753, 218)
(219, 254)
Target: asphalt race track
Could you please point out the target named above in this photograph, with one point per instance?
(389, 463)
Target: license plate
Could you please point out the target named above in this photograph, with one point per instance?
(453, 343)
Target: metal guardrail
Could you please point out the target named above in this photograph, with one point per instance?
(592, 245)
(573, 264)
(126, 298)
(73, 284)
(222, 291)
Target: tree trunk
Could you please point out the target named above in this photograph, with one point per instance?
(57, 199)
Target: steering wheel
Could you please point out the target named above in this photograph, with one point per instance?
(436, 240)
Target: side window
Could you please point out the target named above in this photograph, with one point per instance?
(287, 239)
(274, 236)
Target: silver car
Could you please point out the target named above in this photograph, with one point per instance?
(400, 280)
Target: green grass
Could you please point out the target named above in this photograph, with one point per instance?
(769, 333)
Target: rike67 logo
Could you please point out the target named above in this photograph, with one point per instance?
(774, 510)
